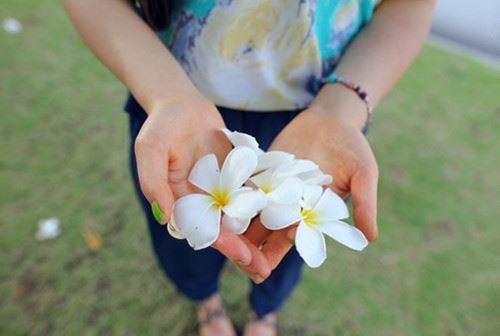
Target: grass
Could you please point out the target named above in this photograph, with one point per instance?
(434, 270)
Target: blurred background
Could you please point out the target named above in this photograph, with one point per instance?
(63, 167)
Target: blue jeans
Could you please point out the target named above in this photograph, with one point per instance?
(195, 273)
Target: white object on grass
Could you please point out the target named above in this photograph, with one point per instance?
(48, 229)
(12, 26)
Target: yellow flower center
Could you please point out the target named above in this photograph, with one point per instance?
(220, 198)
(266, 188)
(308, 216)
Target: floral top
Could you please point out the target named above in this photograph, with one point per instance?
(262, 55)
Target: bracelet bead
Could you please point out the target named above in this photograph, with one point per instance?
(356, 88)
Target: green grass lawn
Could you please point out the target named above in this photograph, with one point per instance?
(63, 152)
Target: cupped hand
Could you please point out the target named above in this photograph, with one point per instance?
(174, 136)
(341, 150)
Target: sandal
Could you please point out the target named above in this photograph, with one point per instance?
(208, 315)
(253, 318)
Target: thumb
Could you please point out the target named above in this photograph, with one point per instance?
(364, 198)
(152, 169)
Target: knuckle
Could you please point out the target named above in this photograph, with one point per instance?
(147, 141)
(141, 141)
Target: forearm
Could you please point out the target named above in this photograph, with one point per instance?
(131, 50)
(378, 57)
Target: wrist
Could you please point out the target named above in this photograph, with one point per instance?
(187, 113)
(180, 103)
(337, 102)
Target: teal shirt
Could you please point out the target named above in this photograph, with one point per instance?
(262, 55)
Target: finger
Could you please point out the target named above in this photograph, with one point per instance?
(278, 244)
(152, 169)
(256, 232)
(259, 268)
(364, 200)
(233, 247)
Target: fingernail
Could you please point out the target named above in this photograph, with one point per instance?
(258, 279)
(157, 213)
(240, 263)
(257, 275)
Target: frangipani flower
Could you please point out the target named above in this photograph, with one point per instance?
(279, 190)
(266, 160)
(197, 217)
(306, 170)
(173, 230)
(319, 213)
(284, 187)
(289, 191)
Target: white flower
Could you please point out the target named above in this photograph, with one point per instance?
(266, 160)
(284, 187)
(242, 139)
(283, 192)
(319, 213)
(306, 170)
(197, 217)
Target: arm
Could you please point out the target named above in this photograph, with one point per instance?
(182, 125)
(130, 49)
(376, 59)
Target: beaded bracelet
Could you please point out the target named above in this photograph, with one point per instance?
(362, 94)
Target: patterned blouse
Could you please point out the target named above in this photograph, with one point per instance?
(262, 55)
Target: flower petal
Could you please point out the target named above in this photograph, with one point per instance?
(288, 192)
(310, 196)
(235, 225)
(241, 139)
(173, 231)
(273, 159)
(279, 216)
(197, 219)
(263, 180)
(205, 173)
(240, 163)
(345, 234)
(310, 244)
(245, 203)
(315, 176)
(331, 207)
(295, 167)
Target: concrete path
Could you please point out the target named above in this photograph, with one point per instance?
(472, 25)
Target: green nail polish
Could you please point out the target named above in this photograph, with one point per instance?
(157, 213)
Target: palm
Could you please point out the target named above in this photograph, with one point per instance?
(340, 151)
(236, 248)
(170, 142)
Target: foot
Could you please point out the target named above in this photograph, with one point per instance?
(264, 326)
(212, 318)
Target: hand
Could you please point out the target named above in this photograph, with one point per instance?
(175, 135)
(337, 145)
